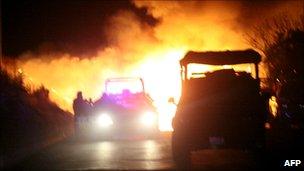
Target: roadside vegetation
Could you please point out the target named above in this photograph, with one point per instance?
(281, 40)
(28, 118)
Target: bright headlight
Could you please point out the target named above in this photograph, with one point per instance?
(148, 118)
(104, 120)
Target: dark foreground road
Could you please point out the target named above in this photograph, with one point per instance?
(139, 154)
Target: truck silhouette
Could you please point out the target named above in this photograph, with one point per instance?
(219, 109)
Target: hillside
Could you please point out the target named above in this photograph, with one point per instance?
(28, 118)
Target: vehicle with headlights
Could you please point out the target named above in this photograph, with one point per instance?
(124, 109)
(218, 109)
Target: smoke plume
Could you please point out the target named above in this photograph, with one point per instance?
(149, 51)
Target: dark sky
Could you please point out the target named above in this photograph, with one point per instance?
(74, 26)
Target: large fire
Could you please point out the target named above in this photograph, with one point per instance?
(138, 49)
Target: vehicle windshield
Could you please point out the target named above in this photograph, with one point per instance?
(200, 70)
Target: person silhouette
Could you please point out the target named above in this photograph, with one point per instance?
(79, 107)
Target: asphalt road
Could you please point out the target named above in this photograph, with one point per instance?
(130, 154)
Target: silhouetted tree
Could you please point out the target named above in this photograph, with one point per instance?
(285, 59)
(281, 40)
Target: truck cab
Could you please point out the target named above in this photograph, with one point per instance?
(221, 108)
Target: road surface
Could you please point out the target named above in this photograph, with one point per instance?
(131, 154)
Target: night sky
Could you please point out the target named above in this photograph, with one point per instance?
(74, 26)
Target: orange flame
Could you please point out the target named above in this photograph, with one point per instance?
(138, 49)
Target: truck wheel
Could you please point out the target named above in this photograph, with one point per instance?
(180, 152)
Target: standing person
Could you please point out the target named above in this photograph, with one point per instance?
(79, 107)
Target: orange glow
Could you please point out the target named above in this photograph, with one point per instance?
(138, 50)
(197, 70)
(273, 106)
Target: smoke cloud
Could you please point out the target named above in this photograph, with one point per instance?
(149, 51)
